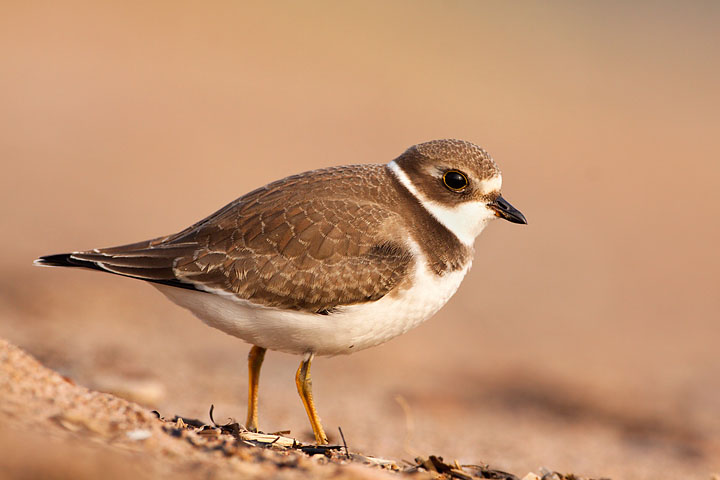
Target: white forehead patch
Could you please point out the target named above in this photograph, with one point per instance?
(491, 184)
(465, 220)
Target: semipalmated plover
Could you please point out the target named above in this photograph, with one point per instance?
(326, 262)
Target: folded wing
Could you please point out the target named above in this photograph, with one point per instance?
(277, 247)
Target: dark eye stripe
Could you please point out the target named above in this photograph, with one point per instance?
(455, 180)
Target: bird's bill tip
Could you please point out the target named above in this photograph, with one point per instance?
(504, 210)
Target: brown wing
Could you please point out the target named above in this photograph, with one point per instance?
(302, 243)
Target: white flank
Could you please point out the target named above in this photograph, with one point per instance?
(465, 220)
(348, 330)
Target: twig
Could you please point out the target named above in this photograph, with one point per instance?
(212, 407)
(409, 425)
(347, 454)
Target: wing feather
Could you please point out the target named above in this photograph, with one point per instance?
(293, 244)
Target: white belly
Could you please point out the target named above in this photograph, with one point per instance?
(352, 328)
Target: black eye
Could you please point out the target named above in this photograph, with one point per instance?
(455, 181)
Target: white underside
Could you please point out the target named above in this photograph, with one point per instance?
(348, 330)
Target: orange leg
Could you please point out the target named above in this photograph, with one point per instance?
(255, 360)
(304, 386)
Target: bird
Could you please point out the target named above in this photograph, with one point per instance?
(326, 262)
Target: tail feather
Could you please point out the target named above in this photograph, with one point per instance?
(61, 260)
(106, 264)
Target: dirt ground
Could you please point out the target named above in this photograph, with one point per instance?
(53, 428)
(586, 342)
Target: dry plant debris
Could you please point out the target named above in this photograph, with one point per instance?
(231, 437)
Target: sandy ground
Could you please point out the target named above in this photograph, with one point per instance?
(586, 342)
(53, 428)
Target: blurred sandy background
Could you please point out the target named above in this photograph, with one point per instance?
(588, 341)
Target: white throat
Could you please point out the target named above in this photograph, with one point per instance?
(465, 220)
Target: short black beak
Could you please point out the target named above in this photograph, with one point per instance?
(503, 209)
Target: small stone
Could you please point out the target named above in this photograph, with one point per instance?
(139, 434)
